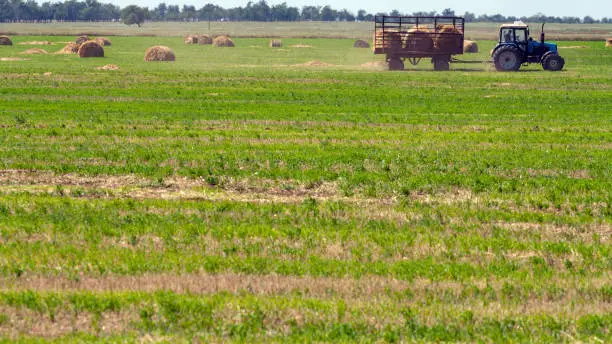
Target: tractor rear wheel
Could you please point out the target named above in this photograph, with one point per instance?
(553, 62)
(396, 64)
(507, 58)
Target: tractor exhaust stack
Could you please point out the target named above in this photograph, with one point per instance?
(542, 34)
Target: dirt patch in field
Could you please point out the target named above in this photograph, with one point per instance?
(374, 65)
(34, 51)
(313, 63)
(13, 59)
(301, 46)
(108, 67)
(36, 43)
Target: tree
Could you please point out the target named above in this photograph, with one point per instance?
(448, 12)
(133, 15)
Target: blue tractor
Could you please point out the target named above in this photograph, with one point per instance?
(516, 47)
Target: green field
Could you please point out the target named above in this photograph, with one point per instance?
(303, 194)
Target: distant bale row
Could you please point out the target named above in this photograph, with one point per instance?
(198, 39)
(5, 40)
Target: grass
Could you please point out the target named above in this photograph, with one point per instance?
(239, 194)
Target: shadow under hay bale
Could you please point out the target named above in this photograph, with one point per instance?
(360, 43)
(276, 43)
(159, 53)
(5, 40)
(70, 48)
(34, 51)
(204, 39)
(191, 39)
(91, 49)
(470, 47)
(103, 41)
(81, 39)
(223, 41)
(609, 42)
(419, 39)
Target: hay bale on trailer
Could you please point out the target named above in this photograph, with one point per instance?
(609, 42)
(70, 48)
(191, 39)
(448, 36)
(159, 53)
(81, 39)
(223, 41)
(91, 49)
(470, 47)
(103, 41)
(276, 43)
(360, 43)
(387, 39)
(5, 40)
(419, 38)
(204, 39)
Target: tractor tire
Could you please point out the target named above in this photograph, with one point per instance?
(440, 65)
(553, 62)
(507, 58)
(396, 64)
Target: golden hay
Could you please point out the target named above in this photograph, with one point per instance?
(191, 39)
(108, 67)
(91, 49)
(36, 43)
(449, 37)
(388, 39)
(81, 39)
(70, 48)
(301, 46)
(609, 42)
(276, 43)
(470, 47)
(419, 38)
(5, 40)
(159, 53)
(34, 51)
(103, 41)
(223, 41)
(204, 39)
(360, 43)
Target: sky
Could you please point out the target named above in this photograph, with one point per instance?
(559, 8)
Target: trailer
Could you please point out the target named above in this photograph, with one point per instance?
(412, 38)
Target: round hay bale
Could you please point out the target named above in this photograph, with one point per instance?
(419, 39)
(223, 41)
(388, 39)
(81, 39)
(470, 47)
(191, 39)
(34, 51)
(70, 48)
(5, 40)
(609, 42)
(360, 43)
(276, 43)
(204, 39)
(448, 37)
(103, 41)
(159, 53)
(91, 49)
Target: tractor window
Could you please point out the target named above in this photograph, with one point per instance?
(507, 35)
(521, 35)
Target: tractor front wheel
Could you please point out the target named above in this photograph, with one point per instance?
(507, 58)
(553, 62)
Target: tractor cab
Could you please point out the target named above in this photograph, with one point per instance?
(516, 47)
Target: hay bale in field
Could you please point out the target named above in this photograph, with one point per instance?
(5, 40)
(419, 39)
(34, 51)
(448, 37)
(159, 53)
(103, 41)
(276, 43)
(470, 47)
(81, 39)
(70, 48)
(191, 39)
(91, 49)
(360, 43)
(204, 39)
(609, 42)
(223, 41)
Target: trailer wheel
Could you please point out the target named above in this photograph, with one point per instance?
(553, 62)
(396, 64)
(441, 65)
(507, 58)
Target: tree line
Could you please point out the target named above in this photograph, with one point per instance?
(92, 10)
